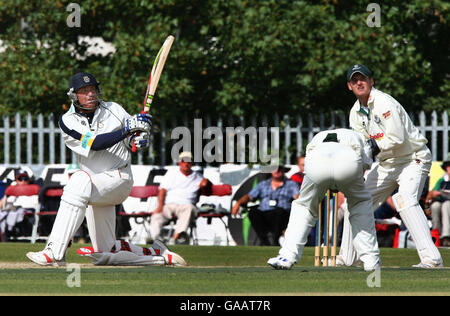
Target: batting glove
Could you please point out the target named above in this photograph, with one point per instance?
(142, 141)
(138, 123)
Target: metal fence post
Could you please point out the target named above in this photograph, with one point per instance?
(6, 139)
(36, 154)
(17, 137)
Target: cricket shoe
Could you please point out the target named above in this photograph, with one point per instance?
(98, 258)
(85, 251)
(45, 258)
(280, 263)
(171, 258)
(424, 265)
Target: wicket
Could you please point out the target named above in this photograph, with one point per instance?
(328, 210)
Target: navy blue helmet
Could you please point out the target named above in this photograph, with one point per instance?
(78, 81)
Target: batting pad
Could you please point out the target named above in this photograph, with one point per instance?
(68, 219)
(414, 219)
(124, 258)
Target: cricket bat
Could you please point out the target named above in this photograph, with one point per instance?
(153, 80)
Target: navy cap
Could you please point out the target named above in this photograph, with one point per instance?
(82, 79)
(358, 68)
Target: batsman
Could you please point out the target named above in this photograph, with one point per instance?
(101, 135)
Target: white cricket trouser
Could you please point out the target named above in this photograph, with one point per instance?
(337, 167)
(101, 192)
(410, 178)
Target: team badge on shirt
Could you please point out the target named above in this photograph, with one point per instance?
(377, 119)
(387, 115)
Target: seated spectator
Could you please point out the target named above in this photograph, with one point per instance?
(178, 194)
(47, 204)
(13, 222)
(52, 204)
(298, 177)
(387, 222)
(272, 215)
(439, 199)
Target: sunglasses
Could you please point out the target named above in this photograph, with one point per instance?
(23, 178)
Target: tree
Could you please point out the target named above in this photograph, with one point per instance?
(241, 57)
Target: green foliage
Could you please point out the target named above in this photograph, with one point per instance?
(241, 57)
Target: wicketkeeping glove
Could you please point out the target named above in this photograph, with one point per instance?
(375, 150)
(138, 123)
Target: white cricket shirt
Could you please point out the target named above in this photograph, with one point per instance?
(389, 124)
(108, 117)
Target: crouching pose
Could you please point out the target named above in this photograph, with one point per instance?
(100, 134)
(335, 160)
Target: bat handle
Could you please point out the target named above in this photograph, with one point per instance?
(134, 149)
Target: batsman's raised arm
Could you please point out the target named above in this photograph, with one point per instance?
(94, 130)
(81, 138)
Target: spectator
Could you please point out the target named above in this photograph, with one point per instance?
(272, 215)
(13, 222)
(178, 194)
(387, 222)
(52, 204)
(298, 177)
(439, 198)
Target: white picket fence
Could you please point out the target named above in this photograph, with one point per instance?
(37, 141)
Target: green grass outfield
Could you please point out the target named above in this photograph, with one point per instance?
(219, 271)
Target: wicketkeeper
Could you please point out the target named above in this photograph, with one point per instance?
(335, 160)
(100, 134)
(404, 162)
